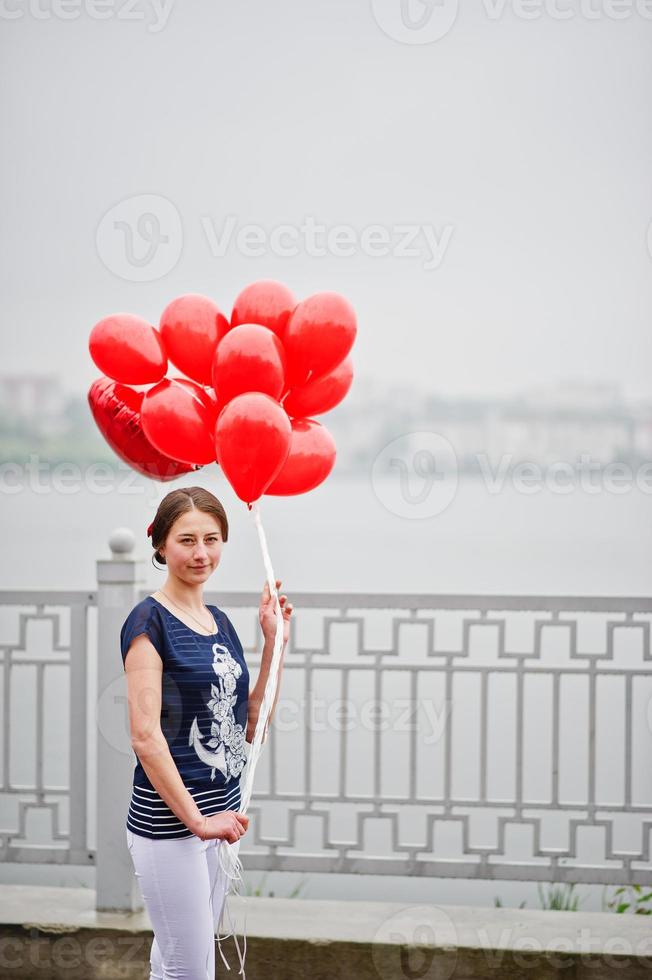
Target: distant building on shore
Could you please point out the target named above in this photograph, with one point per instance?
(568, 422)
(35, 402)
(565, 422)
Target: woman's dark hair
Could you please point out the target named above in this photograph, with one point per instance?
(178, 502)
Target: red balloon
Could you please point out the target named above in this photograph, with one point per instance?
(191, 327)
(310, 460)
(322, 394)
(252, 439)
(116, 410)
(128, 349)
(249, 358)
(318, 336)
(266, 302)
(178, 422)
(206, 395)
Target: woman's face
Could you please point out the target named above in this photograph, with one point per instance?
(193, 547)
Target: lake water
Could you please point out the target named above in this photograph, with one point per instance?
(341, 536)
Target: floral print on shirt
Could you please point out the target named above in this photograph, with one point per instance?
(227, 736)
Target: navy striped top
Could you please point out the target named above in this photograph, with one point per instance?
(204, 703)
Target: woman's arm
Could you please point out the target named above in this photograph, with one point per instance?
(144, 670)
(257, 693)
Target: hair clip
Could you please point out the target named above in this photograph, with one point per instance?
(149, 529)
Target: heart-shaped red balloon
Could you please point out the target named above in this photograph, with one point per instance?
(252, 441)
(178, 422)
(318, 336)
(319, 396)
(249, 358)
(128, 349)
(116, 410)
(266, 302)
(310, 460)
(191, 327)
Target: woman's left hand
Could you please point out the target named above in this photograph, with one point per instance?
(267, 613)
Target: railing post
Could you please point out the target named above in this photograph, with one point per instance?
(117, 593)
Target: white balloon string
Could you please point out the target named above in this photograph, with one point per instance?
(232, 866)
(265, 709)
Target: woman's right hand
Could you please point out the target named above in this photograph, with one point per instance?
(229, 825)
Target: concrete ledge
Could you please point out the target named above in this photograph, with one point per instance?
(55, 933)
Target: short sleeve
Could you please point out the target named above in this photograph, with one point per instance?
(143, 618)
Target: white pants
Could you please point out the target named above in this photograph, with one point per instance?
(183, 888)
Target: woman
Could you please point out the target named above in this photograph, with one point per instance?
(190, 714)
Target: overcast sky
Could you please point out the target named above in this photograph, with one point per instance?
(510, 158)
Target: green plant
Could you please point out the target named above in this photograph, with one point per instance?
(498, 903)
(295, 891)
(632, 899)
(258, 890)
(560, 897)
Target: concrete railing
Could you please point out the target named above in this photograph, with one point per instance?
(486, 737)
